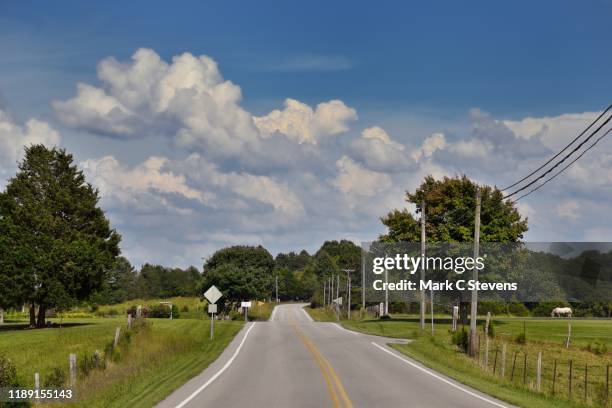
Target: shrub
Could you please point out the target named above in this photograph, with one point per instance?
(185, 308)
(56, 378)
(8, 373)
(461, 339)
(598, 348)
(162, 311)
(112, 312)
(92, 361)
(385, 317)
(520, 338)
(236, 315)
(518, 309)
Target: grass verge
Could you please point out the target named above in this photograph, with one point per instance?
(146, 366)
(544, 335)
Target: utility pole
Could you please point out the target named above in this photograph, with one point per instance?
(331, 290)
(363, 288)
(276, 279)
(422, 311)
(348, 292)
(474, 305)
(324, 294)
(386, 291)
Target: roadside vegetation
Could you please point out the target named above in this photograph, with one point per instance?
(590, 346)
(150, 361)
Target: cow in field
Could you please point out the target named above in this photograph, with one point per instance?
(561, 311)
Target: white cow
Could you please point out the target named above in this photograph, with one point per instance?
(561, 311)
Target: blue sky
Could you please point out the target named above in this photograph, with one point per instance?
(413, 71)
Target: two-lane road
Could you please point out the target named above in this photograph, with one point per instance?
(292, 361)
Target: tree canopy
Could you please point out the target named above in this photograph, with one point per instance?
(57, 245)
(450, 206)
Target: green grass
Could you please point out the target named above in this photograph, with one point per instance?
(261, 310)
(543, 335)
(151, 365)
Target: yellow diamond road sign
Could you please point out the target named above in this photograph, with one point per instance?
(213, 294)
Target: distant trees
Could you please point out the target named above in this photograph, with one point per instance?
(57, 246)
(240, 272)
(152, 281)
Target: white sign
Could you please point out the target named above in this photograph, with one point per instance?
(212, 308)
(213, 294)
(338, 301)
(245, 304)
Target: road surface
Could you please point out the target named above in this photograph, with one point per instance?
(292, 361)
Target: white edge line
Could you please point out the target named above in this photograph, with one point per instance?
(273, 313)
(345, 330)
(307, 315)
(218, 373)
(438, 377)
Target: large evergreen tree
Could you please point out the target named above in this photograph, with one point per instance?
(57, 245)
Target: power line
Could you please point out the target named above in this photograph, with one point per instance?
(564, 168)
(567, 156)
(559, 153)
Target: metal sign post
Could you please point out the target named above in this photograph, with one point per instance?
(245, 306)
(212, 295)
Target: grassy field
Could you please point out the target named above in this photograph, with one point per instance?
(543, 335)
(143, 370)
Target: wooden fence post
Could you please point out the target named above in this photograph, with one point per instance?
(486, 356)
(495, 360)
(37, 383)
(554, 377)
(503, 361)
(525, 370)
(570, 379)
(539, 371)
(72, 359)
(586, 376)
(569, 335)
(117, 333)
(607, 382)
(129, 321)
(513, 365)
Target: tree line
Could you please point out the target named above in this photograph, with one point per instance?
(58, 249)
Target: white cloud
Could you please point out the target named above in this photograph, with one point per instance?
(189, 101)
(139, 184)
(568, 209)
(554, 131)
(380, 152)
(14, 137)
(354, 179)
(301, 123)
(436, 141)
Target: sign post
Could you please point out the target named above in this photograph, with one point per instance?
(245, 306)
(212, 295)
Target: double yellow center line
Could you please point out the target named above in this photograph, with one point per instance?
(335, 388)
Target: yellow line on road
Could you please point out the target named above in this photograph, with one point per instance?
(334, 385)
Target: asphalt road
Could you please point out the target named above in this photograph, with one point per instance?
(292, 361)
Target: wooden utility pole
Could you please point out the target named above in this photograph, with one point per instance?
(422, 268)
(474, 305)
(363, 288)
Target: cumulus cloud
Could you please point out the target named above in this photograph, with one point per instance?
(138, 184)
(434, 142)
(189, 101)
(14, 137)
(379, 151)
(303, 124)
(554, 131)
(354, 179)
